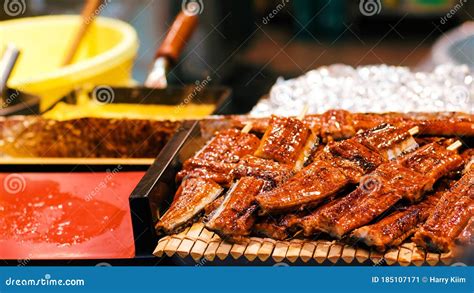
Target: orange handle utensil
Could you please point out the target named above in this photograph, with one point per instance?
(179, 33)
(170, 50)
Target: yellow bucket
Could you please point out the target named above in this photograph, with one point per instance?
(105, 56)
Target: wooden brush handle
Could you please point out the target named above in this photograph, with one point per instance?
(178, 35)
(88, 15)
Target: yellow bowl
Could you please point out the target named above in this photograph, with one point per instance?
(105, 56)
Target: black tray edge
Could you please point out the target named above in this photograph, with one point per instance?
(143, 209)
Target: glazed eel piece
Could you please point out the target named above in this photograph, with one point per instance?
(337, 165)
(271, 172)
(286, 141)
(234, 217)
(203, 175)
(277, 227)
(408, 177)
(216, 160)
(190, 199)
(283, 148)
(396, 227)
(450, 216)
(341, 124)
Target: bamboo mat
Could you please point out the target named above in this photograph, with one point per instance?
(198, 242)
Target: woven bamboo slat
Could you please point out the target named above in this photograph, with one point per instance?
(198, 242)
(348, 253)
(185, 247)
(252, 249)
(335, 252)
(238, 250)
(266, 249)
(279, 252)
(362, 255)
(418, 256)
(307, 251)
(174, 243)
(322, 250)
(211, 249)
(200, 245)
(432, 258)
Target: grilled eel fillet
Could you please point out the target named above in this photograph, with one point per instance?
(396, 227)
(276, 227)
(202, 174)
(234, 218)
(284, 147)
(217, 159)
(341, 124)
(192, 196)
(286, 141)
(275, 158)
(273, 173)
(450, 216)
(409, 177)
(338, 165)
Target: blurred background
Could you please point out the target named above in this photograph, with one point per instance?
(248, 44)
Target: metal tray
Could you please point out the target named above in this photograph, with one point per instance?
(172, 95)
(155, 191)
(76, 144)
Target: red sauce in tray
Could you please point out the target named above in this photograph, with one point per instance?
(66, 215)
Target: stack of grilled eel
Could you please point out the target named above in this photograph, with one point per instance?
(341, 124)
(377, 186)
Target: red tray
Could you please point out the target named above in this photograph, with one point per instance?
(79, 215)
